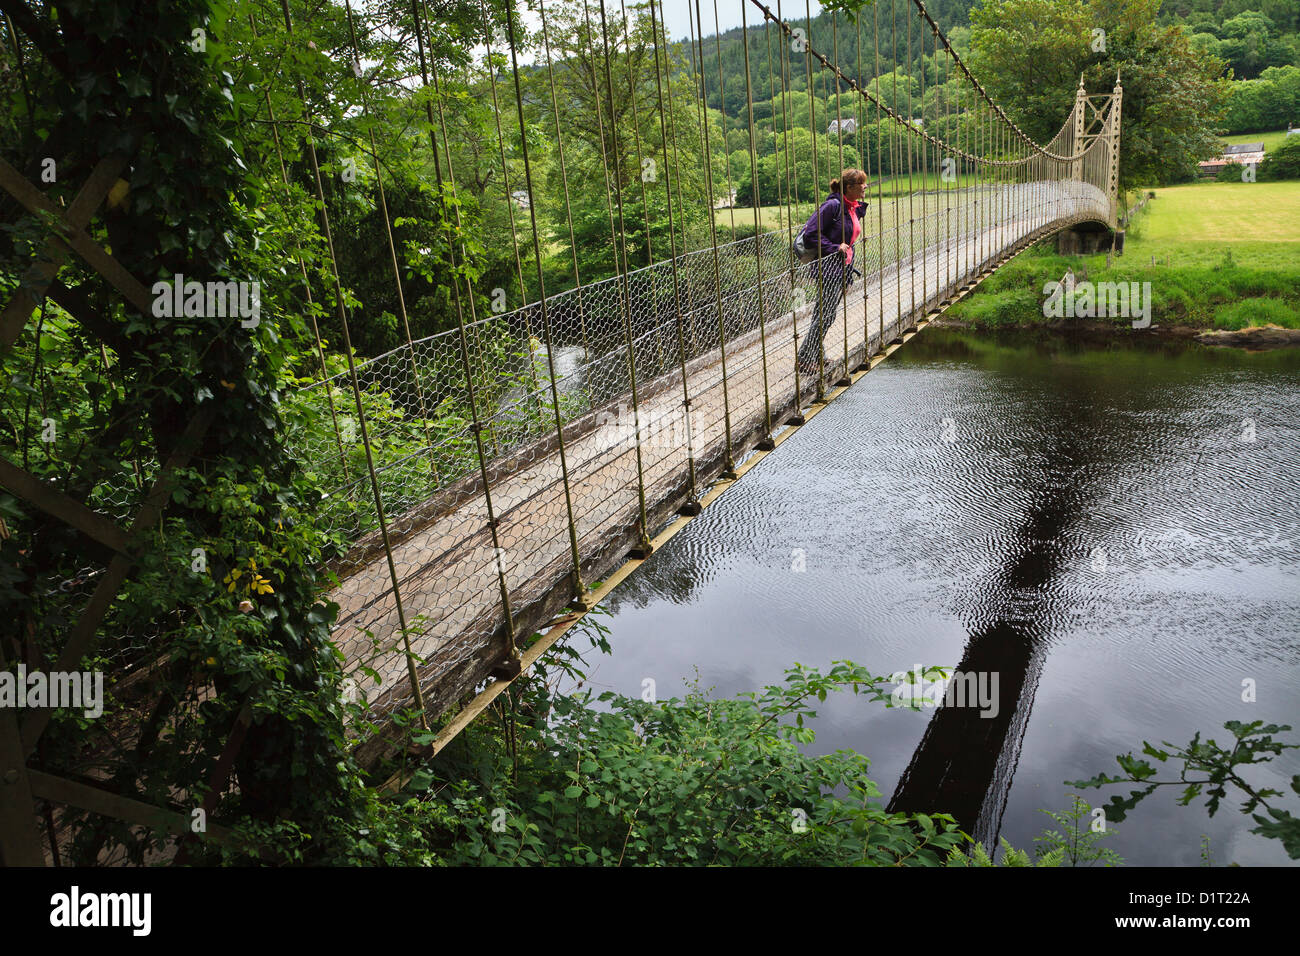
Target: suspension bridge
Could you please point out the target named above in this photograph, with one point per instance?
(644, 389)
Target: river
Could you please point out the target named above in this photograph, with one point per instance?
(1108, 525)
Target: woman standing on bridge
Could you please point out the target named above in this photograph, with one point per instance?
(833, 230)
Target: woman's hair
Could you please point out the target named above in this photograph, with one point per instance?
(848, 177)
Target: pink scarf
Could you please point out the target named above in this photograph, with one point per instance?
(857, 231)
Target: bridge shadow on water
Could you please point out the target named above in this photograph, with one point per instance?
(966, 760)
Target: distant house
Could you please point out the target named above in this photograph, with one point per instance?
(1245, 154)
(847, 126)
(520, 196)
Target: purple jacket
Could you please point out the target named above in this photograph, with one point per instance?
(836, 226)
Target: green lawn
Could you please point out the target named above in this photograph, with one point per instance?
(1217, 255)
(770, 217)
(1270, 140)
(1193, 225)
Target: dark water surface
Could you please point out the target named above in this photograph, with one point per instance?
(1089, 520)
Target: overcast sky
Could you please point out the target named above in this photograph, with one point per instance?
(678, 21)
(677, 16)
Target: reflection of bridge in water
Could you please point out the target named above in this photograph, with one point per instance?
(965, 762)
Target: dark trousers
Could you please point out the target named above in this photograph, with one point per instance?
(831, 275)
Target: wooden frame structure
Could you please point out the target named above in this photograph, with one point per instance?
(22, 787)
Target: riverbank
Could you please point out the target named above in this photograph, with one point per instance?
(1217, 261)
(1256, 338)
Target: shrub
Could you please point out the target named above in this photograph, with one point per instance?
(1251, 744)
(1282, 162)
(1230, 173)
(693, 781)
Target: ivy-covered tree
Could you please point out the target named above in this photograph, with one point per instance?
(217, 630)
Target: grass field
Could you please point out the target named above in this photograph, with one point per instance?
(1217, 255)
(770, 217)
(1189, 225)
(1193, 225)
(1270, 140)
